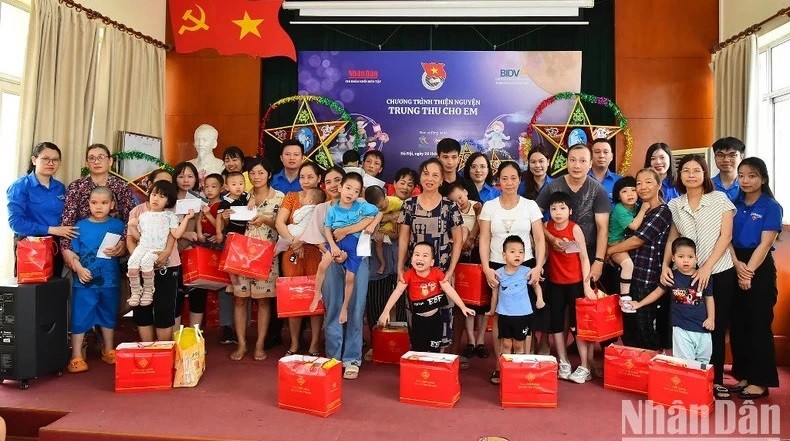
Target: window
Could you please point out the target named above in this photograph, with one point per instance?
(774, 110)
(14, 18)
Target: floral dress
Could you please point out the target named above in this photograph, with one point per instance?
(260, 288)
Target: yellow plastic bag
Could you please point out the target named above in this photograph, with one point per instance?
(190, 358)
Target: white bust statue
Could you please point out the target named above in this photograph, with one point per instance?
(205, 143)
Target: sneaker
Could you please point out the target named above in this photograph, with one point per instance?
(564, 371)
(580, 375)
(227, 336)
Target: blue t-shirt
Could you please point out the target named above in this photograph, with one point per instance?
(688, 305)
(751, 220)
(282, 184)
(731, 192)
(513, 293)
(608, 182)
(106, 272)
(339, 217)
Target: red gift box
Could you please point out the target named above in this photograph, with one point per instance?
(528, 380)
(674, 381)
(600, 319)
(390, 342)
(34, 259)
(471, 284)
(200, 267)
(309, 385)
(294, 295)
(626, 368)
(429, 379)
(247, 256)
(144, 366)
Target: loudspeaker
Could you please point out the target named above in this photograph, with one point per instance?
(33, 329)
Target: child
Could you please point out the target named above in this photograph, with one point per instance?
(236, 197)
(625, 217)
(96, 280)
(510, 300)
(346, 212)
(351, 159)
(569, 278)
(303, 216)
(692, 317)
(152, 230)
(373, 162)
(469, 211)
(390, 207)
(428, 291)
(207, 218)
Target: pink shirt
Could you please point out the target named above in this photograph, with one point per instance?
(175, 259)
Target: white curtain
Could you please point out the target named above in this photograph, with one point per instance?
(735, 83)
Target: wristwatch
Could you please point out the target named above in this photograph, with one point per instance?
(599, 259)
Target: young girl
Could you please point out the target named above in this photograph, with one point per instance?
(207, 218)
(625, 217)
(428, 291)
(152, 230)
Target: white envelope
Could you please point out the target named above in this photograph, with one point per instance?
(572, 247)
(109, 241)
(363, 246)
(243, 213)
(184, 205)
(370, 181)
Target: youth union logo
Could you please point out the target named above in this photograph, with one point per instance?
(433, 75)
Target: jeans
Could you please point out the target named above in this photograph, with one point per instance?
(344, 342)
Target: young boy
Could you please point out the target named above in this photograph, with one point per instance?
(236, 197)
(692, 317)
(96, 280)
(428, 291)
(351, 158)
(569, 278)
(469, 211)
(207, 218)
(625, 216)
(510, 300)
(389, 207)
(373, 162)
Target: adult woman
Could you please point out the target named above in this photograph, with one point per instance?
(76, 207)
(35, 201)
(659, 158)
(185, 176)
(478, 170)
(705, 216)
(757, 224)
(535, 177)
(300, 259)
(646, 247)
(267, 201)
(510, 214)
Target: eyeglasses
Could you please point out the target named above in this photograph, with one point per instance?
(692, 171)
(52, 161)
(98, 158)
(722, 155)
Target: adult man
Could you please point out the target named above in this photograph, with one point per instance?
(292, 155)
(448, 151)
(728, 153)
(205, 142)
(601, 158)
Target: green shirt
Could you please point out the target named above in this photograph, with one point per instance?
(619, 220)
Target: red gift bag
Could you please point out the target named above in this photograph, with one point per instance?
(211, 318)
(309, 385)
(144, 366)
(528, 380)
(294, 295)
(247, 256)
(429, 379)
(599, 320)
(471, 284)
(200, 267)
(34, 259)
(390, 342)
(675, 381)
(626, 368)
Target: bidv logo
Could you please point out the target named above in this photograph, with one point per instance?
(433, 75)
(509, 73)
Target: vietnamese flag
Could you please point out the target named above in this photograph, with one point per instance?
(231, 27)
(434, 70)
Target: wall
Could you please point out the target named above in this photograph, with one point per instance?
(737, 15)
(146, 16)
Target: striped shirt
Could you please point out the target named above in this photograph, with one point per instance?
(703, 225)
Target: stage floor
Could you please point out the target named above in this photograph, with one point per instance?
(238, 401)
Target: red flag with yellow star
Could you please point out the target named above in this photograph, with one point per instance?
(231, 27)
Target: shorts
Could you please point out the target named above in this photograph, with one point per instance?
(425, 334)
(559, 297)
(94, 306)
(349, 245)
(516, 327)
(248, 287)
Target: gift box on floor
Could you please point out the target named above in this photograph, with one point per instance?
(390, 342)
(35, 258)
(144, 366)
(600, 319)
(675, 381)
(471, 284)
(247, 256)
(527, 380)
(200, 267)
(626, 368)
(294, 295)
(309, 385)
(429, 379)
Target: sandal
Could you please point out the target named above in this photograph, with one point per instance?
(469, 351)
(77, 365)
(736, 388)
(108, 356)
(314, 354)
(368, 355)
(481, 351)
(352, 372)
(720, 392)
(494, 377)
(290, 352)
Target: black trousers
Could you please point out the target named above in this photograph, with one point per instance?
(751, 338)
(378, 293)
(725, 284)
(638, 330)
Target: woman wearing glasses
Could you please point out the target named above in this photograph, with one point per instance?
(35, 201)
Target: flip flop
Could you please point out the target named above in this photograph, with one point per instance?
(494, 377)
(720, 392)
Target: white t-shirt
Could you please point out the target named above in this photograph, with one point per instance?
(155, 228)
(516, 221)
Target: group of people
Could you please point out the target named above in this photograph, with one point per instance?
(540, 242)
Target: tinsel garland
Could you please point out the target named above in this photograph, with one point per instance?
(622, 121)
(328, 102)
(134, 154)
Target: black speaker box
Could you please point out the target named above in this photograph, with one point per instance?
(33, 329)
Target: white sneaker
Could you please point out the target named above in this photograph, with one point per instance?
(564, 371)
(580, 375)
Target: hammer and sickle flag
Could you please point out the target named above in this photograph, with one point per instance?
(231, 27)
